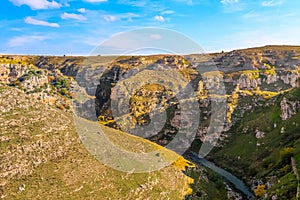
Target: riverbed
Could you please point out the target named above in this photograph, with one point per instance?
(235, 181)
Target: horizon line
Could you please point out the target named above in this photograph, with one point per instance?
(154, 54)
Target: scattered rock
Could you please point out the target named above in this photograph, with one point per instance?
(259, 134)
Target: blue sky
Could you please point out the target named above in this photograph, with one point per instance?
(76, 27)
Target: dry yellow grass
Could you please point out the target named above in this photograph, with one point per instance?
(52, 163)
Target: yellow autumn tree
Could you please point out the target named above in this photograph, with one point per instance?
(260, 190)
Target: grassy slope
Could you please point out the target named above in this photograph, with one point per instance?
(264, 157)
(208, 185)
(55, 165)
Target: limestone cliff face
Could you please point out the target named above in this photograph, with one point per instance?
(232, 77)
(288, 108)
(260, 73)
(290, 78)
(11, 72)
(245, 82)
(26, 76)
(50, 87)
(279, 79)
(173, 61)
(4, 71)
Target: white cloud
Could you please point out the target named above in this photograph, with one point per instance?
(37, 4)
(229, 2)
(155, 36)
(271, 3)
(167, 12)
(16, 29)
(110, 18)
(291, 14)
(250, 14)
(30, 20)
(25, 40)
(231, 6)
(159, 18)
(188, 2)
(128, 16)
(135, 3)
(73, 16)
(81, 10)
(95, 1)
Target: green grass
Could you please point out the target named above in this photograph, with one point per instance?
(212, 188)
(2, 87)
(286, 188)
(297, 159)
(265, 159)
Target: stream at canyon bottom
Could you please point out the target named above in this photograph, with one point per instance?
(235, 181)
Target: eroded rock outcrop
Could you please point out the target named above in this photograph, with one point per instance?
(288, 108)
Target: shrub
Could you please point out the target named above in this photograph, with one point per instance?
(286, 154)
